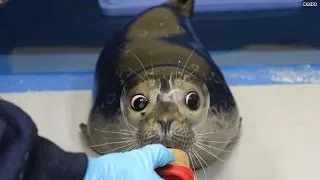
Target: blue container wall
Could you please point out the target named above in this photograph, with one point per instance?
(60, 41)
(83, 23)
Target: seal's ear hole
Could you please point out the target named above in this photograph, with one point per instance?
(139, 102)
(192, 100)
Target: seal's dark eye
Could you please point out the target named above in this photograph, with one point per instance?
(139, 102)
(192, 100)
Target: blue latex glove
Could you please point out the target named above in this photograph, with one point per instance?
(138, 164)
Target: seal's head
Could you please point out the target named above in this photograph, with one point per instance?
(165, 109)
(155, 83)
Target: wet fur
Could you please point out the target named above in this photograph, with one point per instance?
(114, 127)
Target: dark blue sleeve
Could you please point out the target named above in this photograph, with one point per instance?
(26, 156)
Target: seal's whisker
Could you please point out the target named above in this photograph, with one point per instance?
(202, 144)
(115, 132)
(128, 131)
(129, 126)
(137, 74)
(177, 69)
(129, 148)
(214, 132)
(110, 150)
(193, 164)
(210, 153)
(197, 154)
(187, 62)
(189, 75)
(117, 138)
(218, 142)
(115, 142)
(199, 160)
(124, 131)
(199, 125)
(151, 63)
(141, 65)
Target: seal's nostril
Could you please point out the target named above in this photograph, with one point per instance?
(165, 125)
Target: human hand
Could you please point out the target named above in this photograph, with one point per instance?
(137, 164)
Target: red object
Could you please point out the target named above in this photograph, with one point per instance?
(176, 172)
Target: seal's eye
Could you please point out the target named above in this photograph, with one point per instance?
(192, 100)
(139, 102)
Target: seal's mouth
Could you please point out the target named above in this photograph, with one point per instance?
(166, 143)
(170, 134)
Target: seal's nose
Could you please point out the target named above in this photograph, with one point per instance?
(165, 125)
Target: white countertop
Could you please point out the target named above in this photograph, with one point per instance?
(280, 132)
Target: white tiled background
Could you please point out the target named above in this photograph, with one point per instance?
(280, 136)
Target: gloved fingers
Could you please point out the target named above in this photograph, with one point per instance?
(158, 154)
(94, 167)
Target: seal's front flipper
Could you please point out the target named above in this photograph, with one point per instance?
(186, 7)
(84, 130)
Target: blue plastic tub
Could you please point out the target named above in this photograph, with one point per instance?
(130, 7)
(226, 28)
(221, 25)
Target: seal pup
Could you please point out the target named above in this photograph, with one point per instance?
(156, 83)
